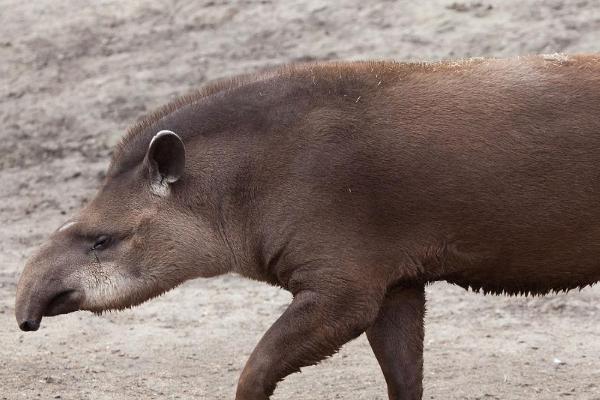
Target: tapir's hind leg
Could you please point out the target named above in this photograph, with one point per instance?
(396, 338)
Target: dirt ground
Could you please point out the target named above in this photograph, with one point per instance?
(74, 76)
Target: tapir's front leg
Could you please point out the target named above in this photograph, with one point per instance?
(396, 338)
(315, 325)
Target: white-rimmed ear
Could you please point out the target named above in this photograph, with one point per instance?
(165, 161)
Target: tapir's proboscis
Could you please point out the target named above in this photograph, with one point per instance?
(352, 185)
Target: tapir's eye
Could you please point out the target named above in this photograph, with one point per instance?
(102, 242)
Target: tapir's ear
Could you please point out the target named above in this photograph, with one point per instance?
(165, 158)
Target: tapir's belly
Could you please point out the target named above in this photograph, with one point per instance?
(535, 278)
(537, 256)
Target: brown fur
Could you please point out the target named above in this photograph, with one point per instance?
(352, 185)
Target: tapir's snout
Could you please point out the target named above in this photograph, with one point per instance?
(38, 303)
(42, 291)
(29, 325)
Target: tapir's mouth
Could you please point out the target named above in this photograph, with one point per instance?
(64, 302)
(61, 303)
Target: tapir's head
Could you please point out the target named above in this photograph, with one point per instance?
(135, 240)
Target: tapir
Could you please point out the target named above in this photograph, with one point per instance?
(352, 185)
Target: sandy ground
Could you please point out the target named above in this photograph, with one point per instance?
(73, 77)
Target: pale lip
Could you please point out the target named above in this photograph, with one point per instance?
(63, 302)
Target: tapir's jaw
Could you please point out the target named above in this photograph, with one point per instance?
(63, 303)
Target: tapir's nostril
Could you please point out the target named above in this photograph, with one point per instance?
(29, 325)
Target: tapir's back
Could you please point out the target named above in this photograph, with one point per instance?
(502, 159)
(485, 173)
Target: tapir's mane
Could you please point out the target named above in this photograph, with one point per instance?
(323, 70)
(320, 70)
(140, 127)
(230, 84)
